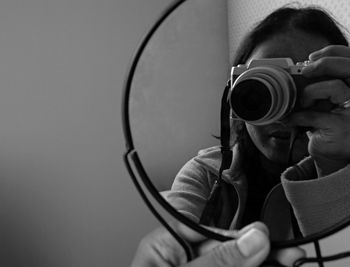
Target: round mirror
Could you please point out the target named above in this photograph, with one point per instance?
(174, 101)
(172, 106)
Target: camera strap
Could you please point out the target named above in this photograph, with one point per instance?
(211, 207)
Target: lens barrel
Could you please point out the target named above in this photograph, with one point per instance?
(262, 95)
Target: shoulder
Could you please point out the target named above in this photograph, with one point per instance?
(209, 160)
(205, 164)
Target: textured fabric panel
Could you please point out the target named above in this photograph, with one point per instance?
(312, 198)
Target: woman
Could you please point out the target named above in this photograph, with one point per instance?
(319, 181)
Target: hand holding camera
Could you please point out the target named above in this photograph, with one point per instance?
(267, 90)
(330, 138)
(271, 90)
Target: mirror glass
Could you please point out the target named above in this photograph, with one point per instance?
(174, 109)
(177, 86)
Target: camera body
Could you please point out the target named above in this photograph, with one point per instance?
(265, 90)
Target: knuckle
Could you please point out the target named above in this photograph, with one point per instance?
(332, 50)
(327, 50)
(321, 65)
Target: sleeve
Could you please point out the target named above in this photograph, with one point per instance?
(318, 202)
(190, 189)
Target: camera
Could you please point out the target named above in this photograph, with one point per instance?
(265, 90)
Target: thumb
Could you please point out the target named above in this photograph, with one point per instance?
(250, 250)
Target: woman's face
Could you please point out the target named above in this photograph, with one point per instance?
(273, 140)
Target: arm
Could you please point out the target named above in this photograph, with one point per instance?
(190, 189)
(325, 200)
(318, 202)
(194, 182)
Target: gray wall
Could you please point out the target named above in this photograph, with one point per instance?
(65, 196)
(177, 88)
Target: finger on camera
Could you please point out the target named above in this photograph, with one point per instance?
(314, 119)
(335, 67)
(330, 50)
(336, 91)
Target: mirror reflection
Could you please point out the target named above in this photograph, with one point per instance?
(176, 90)
(290, 120)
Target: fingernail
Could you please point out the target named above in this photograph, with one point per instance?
(251, 242)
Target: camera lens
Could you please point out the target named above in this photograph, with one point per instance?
(251, 99)
(262, 95)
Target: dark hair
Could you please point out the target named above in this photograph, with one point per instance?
(311, 20)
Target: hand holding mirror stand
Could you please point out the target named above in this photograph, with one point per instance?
(137, 173)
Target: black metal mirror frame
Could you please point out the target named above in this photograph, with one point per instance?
(131, 156)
